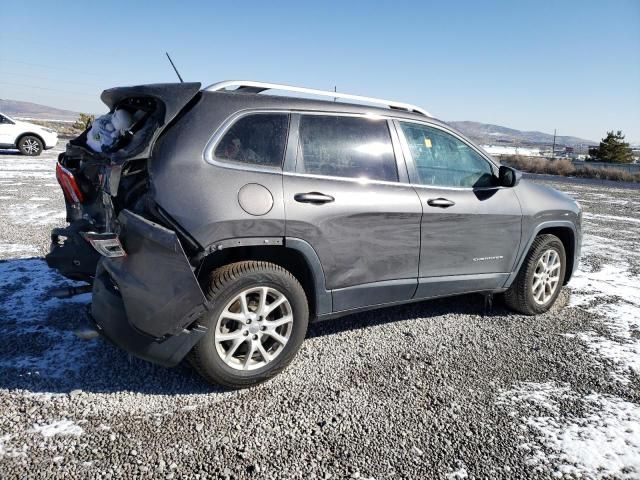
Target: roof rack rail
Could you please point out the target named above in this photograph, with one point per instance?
(251, 86)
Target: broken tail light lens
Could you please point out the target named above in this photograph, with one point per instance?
(69, 185)
(106, 244)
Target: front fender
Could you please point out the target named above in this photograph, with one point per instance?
(533, 233)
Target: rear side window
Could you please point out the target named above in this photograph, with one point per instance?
(353, 147)
(443, 160)
(257, 139)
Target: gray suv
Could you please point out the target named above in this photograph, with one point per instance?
(223, 220)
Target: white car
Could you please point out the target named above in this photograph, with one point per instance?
(29, 138)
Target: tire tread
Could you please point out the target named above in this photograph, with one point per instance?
(516, 297)
(220, 279)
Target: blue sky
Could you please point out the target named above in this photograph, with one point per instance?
(530, 65)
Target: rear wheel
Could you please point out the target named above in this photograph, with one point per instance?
(256, 327)
(30, 145)
(540, 278)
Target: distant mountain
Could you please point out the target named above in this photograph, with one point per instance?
(487, 134)
(483, 133)
(15, 108)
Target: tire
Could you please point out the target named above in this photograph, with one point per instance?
(30, 145)
(228, 318)
(521, 295)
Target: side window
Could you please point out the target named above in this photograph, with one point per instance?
(257, 139)
(354, 147)
(443, 160)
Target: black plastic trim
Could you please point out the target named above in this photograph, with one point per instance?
(324, 300)
(108, 312)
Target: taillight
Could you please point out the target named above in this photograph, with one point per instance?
(69, 185)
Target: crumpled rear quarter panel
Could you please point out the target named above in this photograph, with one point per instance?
(160, 292)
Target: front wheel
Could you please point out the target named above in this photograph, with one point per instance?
(30, 145)
(540, 278)
(258, 322)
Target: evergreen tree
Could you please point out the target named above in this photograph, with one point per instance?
(614, 149)
(84, 121)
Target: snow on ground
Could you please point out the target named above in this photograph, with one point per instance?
(607, 284)
(601, 441)
(24, 297)
(565, 429)
(507, 150)
(58, 427)
(595, 435)
(17, 250)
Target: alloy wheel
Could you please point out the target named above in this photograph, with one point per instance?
(30, 146)
(254, 328)
(546, 277)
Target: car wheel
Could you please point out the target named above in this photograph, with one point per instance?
(30, 145)
(540, 278)
(256, 326)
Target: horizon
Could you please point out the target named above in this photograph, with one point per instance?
(573, 67)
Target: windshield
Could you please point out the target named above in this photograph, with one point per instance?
(4, 116)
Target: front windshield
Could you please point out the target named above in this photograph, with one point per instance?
(6, 118)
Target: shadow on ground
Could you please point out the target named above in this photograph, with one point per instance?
(41, 353)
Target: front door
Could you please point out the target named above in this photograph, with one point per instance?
(471, 227)
(343, 198)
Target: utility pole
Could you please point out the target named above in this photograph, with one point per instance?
(553, 149)
(335, 89)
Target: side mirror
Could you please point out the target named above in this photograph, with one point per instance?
(509, 177)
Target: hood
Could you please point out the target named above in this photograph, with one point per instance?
(537, 197)
(33, 126)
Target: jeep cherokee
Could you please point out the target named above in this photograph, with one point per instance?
(224, 219)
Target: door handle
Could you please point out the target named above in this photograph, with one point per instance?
(440, 202)
(315, 198)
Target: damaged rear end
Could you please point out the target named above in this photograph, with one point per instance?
(146, 297)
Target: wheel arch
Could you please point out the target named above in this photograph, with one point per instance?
(30, 134)
(294, 255)
(567, 237)
(566, 232)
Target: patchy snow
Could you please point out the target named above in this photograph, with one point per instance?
(59, 427)
(510, 150)
(458, 474)
(612, 218)
(13, 249)
(3, 448)
(613, 292)
(28, 309)
(34, 213)
(606, 283)
(593, 435)
(600, 442)
(7, 450)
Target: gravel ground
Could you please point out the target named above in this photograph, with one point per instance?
(431, 390)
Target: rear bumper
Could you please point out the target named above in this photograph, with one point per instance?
(148, 302)
(71, 255)
(109, 315)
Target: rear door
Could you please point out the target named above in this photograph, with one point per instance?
(7, 131)
(471, 227)
(343, 196)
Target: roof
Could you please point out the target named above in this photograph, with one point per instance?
(254, 87)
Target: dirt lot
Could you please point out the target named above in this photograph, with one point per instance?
(430, 390)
